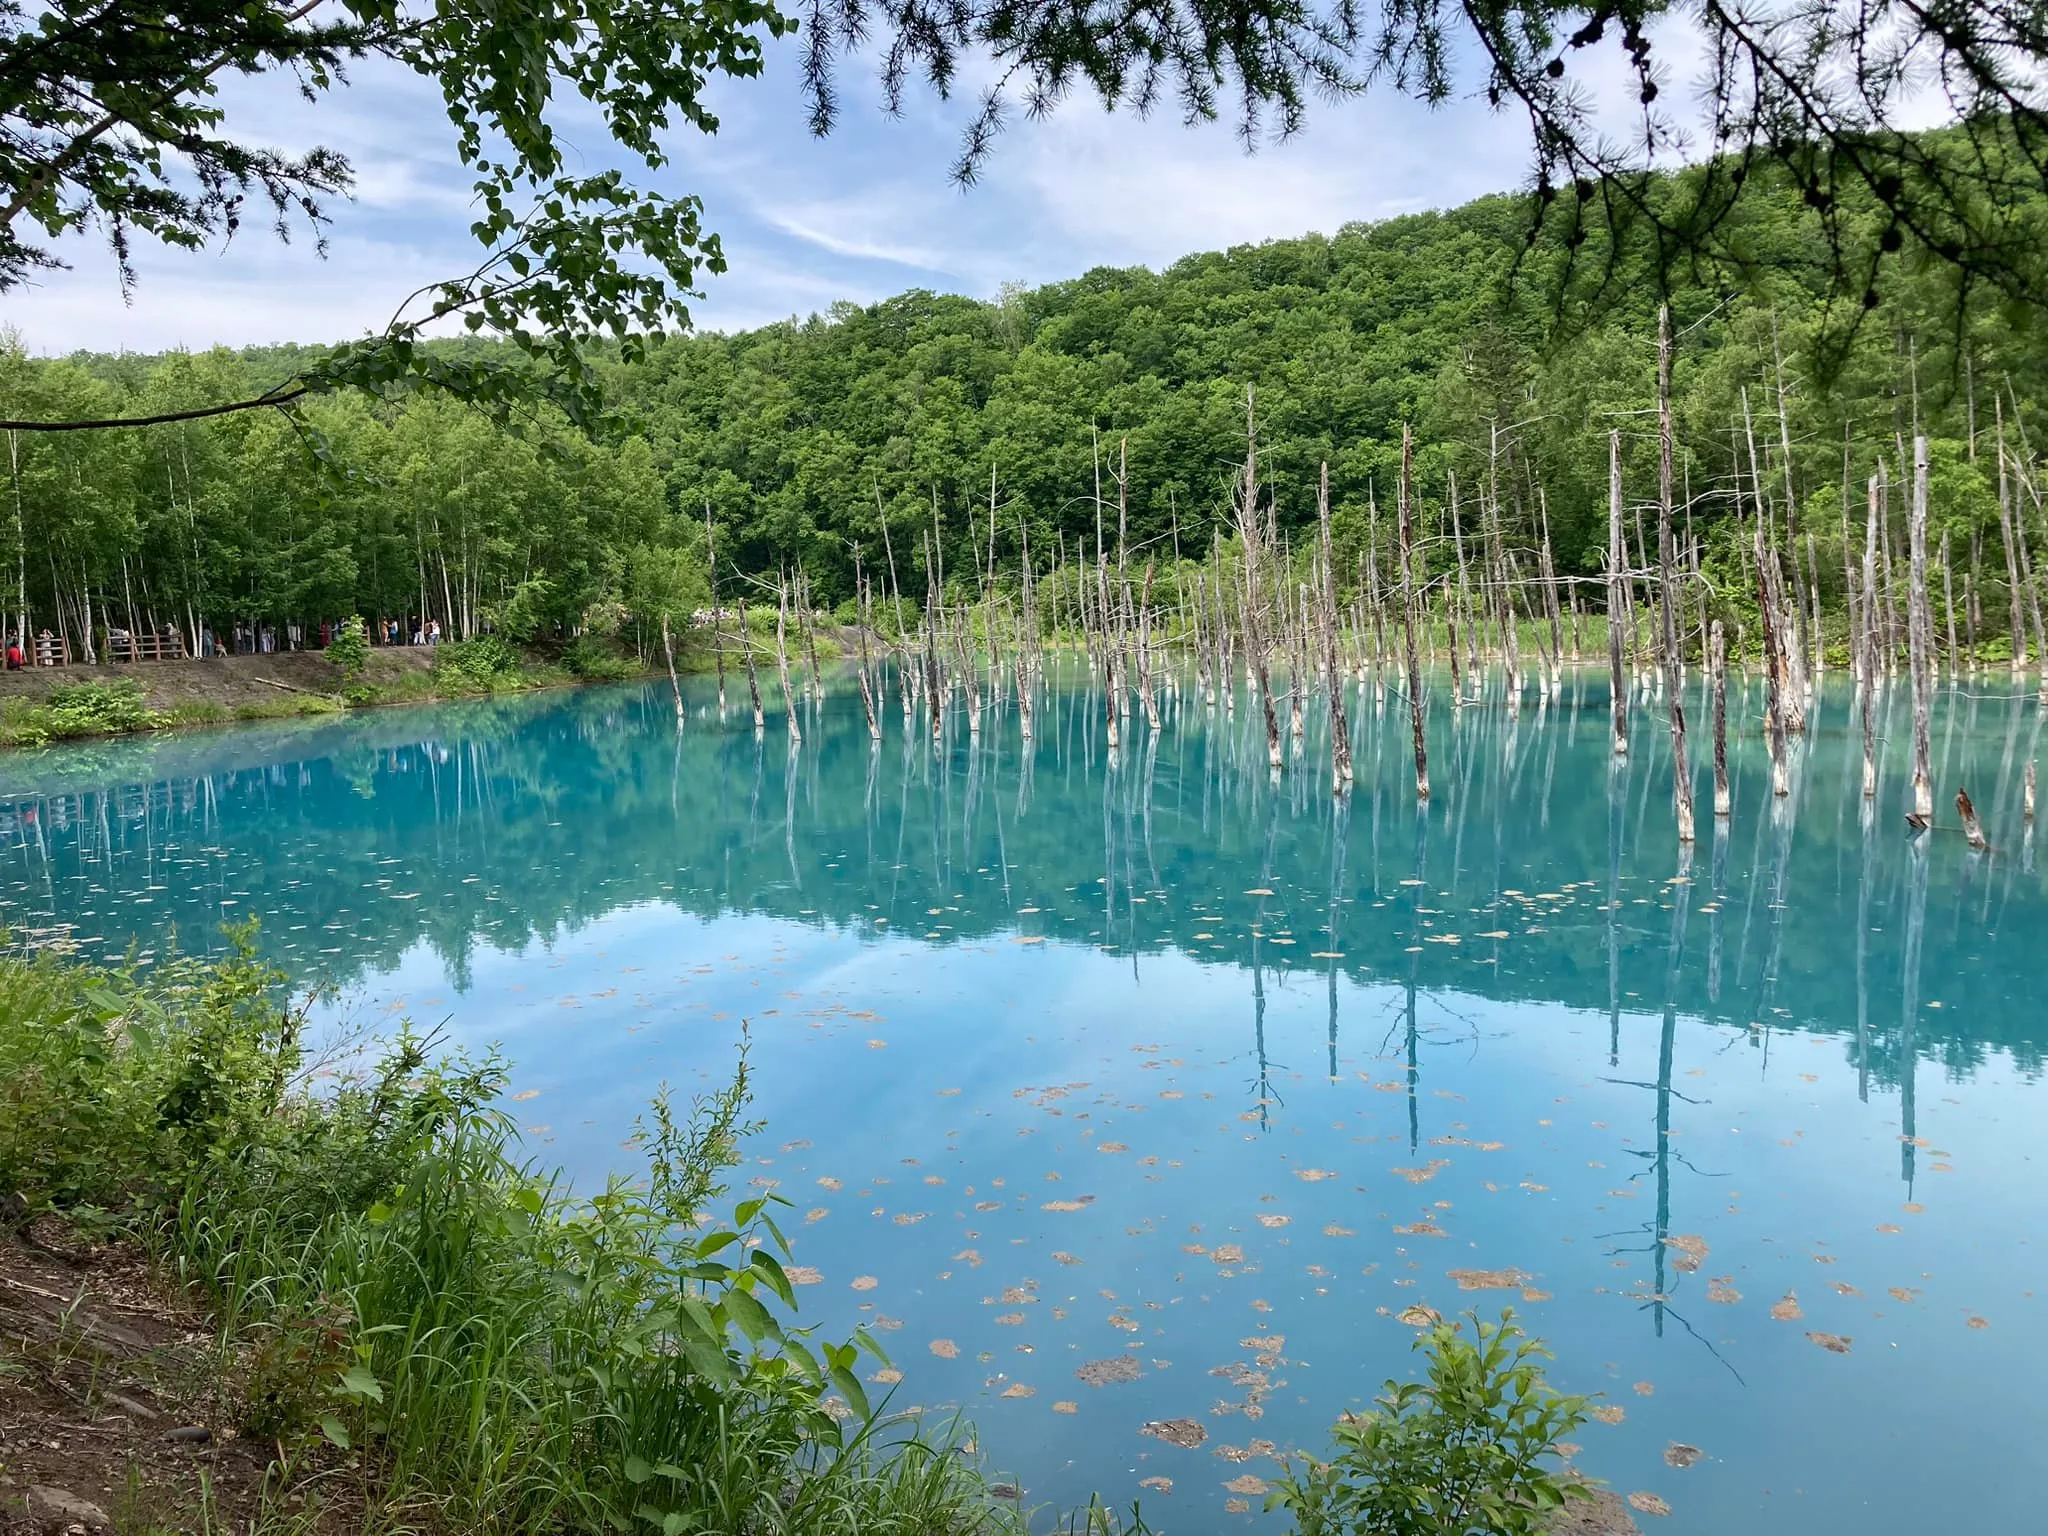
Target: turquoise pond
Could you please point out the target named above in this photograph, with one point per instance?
(1163, 1061)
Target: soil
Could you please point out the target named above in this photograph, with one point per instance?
(116, 1403)
(224, 680)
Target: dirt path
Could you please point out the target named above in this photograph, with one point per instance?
(226, 680)
(118, 1405)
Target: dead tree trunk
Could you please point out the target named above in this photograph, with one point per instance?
(1774, 666)
(2012, 563)
(1340, 728)
(1973, 830)
(1667, 574)
(1615, 618)
(668, 650)
(1717, 662)
(864, 609)
(1866, 641)
(1919, 635)
(753, 677)
(782, 658)
(717, 618)
(1406, 537)
(1251, 535)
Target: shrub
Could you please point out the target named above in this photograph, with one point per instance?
(595, 662)
(97, 709)
(1462, 1450)
(481, 665)
(349, 648)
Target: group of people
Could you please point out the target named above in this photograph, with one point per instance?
(42, 650)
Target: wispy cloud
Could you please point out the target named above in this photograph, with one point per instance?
(805, 223)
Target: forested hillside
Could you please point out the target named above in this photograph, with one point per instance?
(804, 439)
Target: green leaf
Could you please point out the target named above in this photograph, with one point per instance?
(713, 1364)
(638, 1470)
(335, 1431)
(753, 1318)
(771, 1270)
(360, 1381)
(868, 1342)
(849, 1385)
(793, 1349)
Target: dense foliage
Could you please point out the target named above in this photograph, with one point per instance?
(1467, 1448)
(874, 428)
(112, 118)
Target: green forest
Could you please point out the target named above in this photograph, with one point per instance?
(868, 429)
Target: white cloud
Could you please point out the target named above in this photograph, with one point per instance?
(805, 223)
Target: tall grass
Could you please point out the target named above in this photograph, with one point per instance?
(417, 1309)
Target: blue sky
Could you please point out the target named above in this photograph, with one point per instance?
(861, 215)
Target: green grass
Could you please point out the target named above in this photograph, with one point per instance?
(412, 1306)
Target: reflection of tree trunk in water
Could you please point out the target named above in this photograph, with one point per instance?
(1340, 830)
(975, 752)
(1714, 928)
(1549, 775)
(1909, 1004)
(1681, 908)
(1783, 816)
(1464, 769)
(1027, 759)
(1259, 1034)
(1615, 781)
(1863, 879)
(1145, 805)
(902, 820)
(1418, 890)
(1110, 776)
(754, 800)
(1750, 888)
(789, 773)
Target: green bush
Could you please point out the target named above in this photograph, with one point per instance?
(97, 709)
(596, 662)
(349, 647)
(479, 665)
(1461, 1451)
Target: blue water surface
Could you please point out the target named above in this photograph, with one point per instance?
(1119, 1087)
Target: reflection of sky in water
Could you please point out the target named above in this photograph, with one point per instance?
(1168, 1062)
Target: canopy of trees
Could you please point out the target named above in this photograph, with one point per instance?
(112, 120)
(874, 427)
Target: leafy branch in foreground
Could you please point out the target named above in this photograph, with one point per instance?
(111, 119)
(1462, 1450)
(1822, 93)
